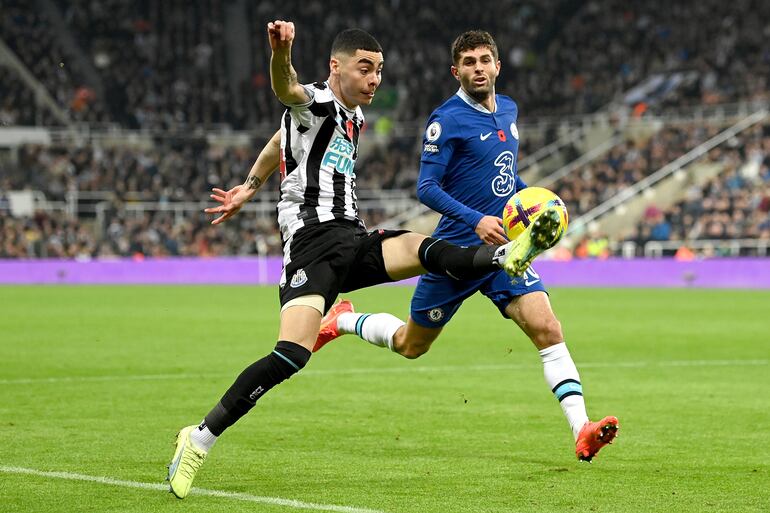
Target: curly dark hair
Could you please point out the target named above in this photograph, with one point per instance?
(470, 40)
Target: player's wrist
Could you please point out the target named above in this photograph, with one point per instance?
(246, 194)
(283, 53)
(473, 219)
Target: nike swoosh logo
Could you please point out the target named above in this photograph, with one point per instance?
(528, 283)
(175, 463)
(484, 137)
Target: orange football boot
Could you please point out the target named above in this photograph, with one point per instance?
(595, 435)
(329, 331)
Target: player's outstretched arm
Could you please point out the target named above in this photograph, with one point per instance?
(283, 77)
(232, 201)
(430, 193)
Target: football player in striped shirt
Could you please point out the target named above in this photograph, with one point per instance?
(327, 249)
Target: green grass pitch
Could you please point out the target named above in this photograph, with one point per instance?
(95, 381)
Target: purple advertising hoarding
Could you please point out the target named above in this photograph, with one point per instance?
(717, 273)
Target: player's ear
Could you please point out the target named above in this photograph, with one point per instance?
(334, 66)
(455, 73)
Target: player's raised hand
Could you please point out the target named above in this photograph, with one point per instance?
(490, 230)
(231, 202)
(281, 34)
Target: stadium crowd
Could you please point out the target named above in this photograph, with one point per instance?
(17, 103)
(153, 234)
(30, 35)
(164, 65)
(171, 171)
(626, 164)
(559, 57)
(735, 204)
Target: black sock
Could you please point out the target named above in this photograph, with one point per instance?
(259, 377)
(441, 257)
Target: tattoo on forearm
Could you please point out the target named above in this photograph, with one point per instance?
(253, 182)
(288, 73)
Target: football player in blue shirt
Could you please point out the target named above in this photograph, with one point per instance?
(467, 173)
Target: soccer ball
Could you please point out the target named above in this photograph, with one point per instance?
(526, 205)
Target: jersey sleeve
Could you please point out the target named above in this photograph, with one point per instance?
(305, 114)
(431, 194)
(439, 143)
(440, 139)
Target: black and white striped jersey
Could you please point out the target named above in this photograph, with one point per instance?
(319, 147)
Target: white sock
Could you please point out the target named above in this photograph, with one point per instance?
(377, 329)
(564, 381)
(202, 438)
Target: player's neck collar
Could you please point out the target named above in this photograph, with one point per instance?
(473, 103)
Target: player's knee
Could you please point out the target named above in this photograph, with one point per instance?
(548, 333)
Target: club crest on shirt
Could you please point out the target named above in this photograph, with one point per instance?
(433, 132)
(436, 314)
(299, 279)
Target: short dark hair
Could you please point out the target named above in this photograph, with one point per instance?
(471, 40)
(350, 40)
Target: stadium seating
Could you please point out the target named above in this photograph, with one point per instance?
(734, 205)
(164, 64)
(625, 165)
(18, 105)
(165, 67)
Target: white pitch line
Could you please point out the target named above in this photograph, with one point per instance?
(275, 501)
(114, 377)
(406, 368)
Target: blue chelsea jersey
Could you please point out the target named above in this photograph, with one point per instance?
(471, 152)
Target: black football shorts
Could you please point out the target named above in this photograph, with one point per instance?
(332, 257)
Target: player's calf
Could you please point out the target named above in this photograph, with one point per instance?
(410, 349)
(461, 263)
(192, 446)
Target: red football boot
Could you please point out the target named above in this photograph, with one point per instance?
(595, 435)
(329, 331)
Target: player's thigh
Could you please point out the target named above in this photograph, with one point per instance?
(401, 255)
(300, 324)
(311, 262)
(532, 312)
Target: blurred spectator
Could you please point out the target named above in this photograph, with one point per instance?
(684, 253)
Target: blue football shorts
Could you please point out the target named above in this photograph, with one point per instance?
(437, 298)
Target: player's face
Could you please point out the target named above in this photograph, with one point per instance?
(477, 71)
(359, 76)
